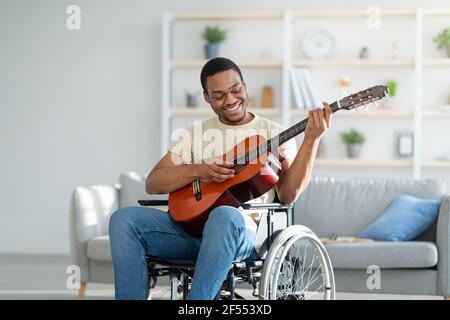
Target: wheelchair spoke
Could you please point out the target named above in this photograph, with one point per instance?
(310, 268)
(297, 268)
(307, 282)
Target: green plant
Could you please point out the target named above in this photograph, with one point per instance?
(214, 34)
(392, 86)
(443, 38)
(352, 136)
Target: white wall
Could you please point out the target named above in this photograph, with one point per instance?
(79, 107)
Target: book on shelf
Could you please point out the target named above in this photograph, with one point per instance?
(311, 88)
(296, 90)
(303, 84)
(305, 93)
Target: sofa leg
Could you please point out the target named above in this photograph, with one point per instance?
(82, 291)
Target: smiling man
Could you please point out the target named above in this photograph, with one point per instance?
(229, 232)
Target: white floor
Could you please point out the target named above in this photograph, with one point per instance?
(39, 277)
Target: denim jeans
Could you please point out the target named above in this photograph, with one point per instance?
(136, 232)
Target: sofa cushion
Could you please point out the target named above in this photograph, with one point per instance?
(347, 206)
(405, 219)
(98, 249)
(132, 189)
(384, 254)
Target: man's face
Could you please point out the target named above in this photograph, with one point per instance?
(227, 95)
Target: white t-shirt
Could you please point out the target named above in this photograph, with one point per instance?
(212, 138)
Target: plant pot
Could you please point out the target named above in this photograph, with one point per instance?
(354, 150)
(211, 50)
(192, 99)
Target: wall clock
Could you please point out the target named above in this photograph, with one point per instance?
(318, 44)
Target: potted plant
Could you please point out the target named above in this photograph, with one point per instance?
(392, 86)
(443, 40)
(213, 37)
(353, 140)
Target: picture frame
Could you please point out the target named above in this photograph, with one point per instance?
(404, 144)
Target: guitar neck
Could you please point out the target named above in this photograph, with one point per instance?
(294, 130)
(350, 102)
(279, 139)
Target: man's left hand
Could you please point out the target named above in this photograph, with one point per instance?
(318, 122)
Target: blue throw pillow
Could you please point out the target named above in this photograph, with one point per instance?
(405, 219)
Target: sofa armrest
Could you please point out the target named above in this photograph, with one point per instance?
(443, 245)
(90, 209)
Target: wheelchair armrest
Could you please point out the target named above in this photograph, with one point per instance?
(276, 206)
(244, 205)
(149, 203)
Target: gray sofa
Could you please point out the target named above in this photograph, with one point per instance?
(339, 206)
(346, 206)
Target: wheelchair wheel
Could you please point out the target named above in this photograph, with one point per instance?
(297, 267)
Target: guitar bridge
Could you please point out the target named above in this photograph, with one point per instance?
(196, 189)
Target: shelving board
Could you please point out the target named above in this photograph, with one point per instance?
(336, 162)
(352, 63)
(372, 113)
(255, 63)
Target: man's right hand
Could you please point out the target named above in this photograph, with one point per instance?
(214, 169)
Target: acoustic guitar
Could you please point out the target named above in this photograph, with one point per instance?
(256, 170)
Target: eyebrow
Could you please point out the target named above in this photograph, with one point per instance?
(221, 91)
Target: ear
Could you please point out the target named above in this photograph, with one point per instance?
(206, 97)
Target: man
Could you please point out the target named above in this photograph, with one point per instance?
(229, 233)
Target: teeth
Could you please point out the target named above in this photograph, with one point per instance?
(234, 108)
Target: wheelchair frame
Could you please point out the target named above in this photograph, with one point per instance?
(240, 271)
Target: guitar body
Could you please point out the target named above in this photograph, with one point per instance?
(250, 181)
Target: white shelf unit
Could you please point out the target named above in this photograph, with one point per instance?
(285, 112)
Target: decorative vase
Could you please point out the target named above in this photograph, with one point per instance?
(267, 95)
(354, 150)
(191, 99)
(211, 50)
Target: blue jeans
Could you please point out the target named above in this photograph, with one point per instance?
(136, 232)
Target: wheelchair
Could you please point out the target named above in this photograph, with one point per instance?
(293, 264)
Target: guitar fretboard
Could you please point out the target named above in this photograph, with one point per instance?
(278, 140)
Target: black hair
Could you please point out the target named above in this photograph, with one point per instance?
(217, 65)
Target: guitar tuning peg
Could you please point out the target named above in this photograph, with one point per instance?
(366, 107)
(376, 104)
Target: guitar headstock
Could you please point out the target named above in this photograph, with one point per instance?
(363, 97)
